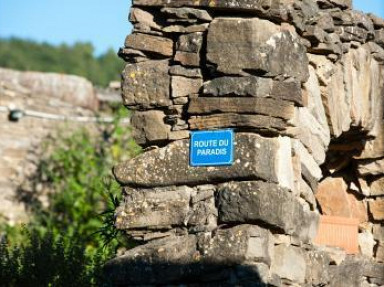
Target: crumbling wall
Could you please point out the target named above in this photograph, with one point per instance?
(301, 84)
(49, 103)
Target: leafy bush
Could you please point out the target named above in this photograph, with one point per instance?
(70, 236)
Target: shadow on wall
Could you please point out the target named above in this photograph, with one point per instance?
(144, 273)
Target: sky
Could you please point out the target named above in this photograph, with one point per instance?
(104, 23)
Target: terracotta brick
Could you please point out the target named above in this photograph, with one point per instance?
(339, 232)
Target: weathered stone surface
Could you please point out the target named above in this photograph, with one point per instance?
(363, 83)
(374, 148)
(371, 167)
(166, 208)
(317, 271)
(341, 3)
(259, 45)
(376, 208)
(191, 43)
(366, 243)
(289, 263)
(306, 192)
(312, 95)
(378, 22)
(348, 273)
(379, 254)
(188, 49)
(259, 122)
(251, 6)
(358, 208)
(311, 133)
(337, 103)
(378, 232)
(379, 37)
(187, 59)
(335, 201)
(257, 201)
(377, 187)
(169, 165)
(374, 271)
(183, 87)
(263, 106)
(58, 88)
(310, 170)
(150, 43)
(166, 260)
(149, 127)
(237, 245)
(185, 72)
(350, 33)
(311, 142)
(188, 13)
(158, 207)
(186, 29)
(132, 56)
(178, 135)
(252, 86)
(147, 85)
(138, 15)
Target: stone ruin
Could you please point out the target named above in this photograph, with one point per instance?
(301, 84)
(47, 101)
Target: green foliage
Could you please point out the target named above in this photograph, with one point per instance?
(78, 59)
(48, 261)
(68, 239)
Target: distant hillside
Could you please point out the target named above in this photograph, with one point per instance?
(78, 59)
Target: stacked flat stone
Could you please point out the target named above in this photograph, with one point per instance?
(301, 84)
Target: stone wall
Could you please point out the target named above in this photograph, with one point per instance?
(301, 84)
(47, 100)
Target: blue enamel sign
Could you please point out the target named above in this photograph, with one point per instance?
(211, 148)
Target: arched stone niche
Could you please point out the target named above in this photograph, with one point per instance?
(301, 84)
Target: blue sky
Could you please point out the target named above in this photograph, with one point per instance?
(101, 22)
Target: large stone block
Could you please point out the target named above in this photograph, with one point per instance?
(147, 85)
(242, 243)
(376, 208)
(262, 106)
(317, 271)
(256, 157)
(310, 170)
(158, 262)
(256, 46)
(149, 127)
(144, 18)
(274, 9)
(312, 95)
(363, 83)
(334, 200)
(187, 14)
(289, 263)
(160, 207)
(183, 87)
(188, 49)
(257, 201)
(256, 122)
(377, 187)
(252, 86)
(150, 43)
